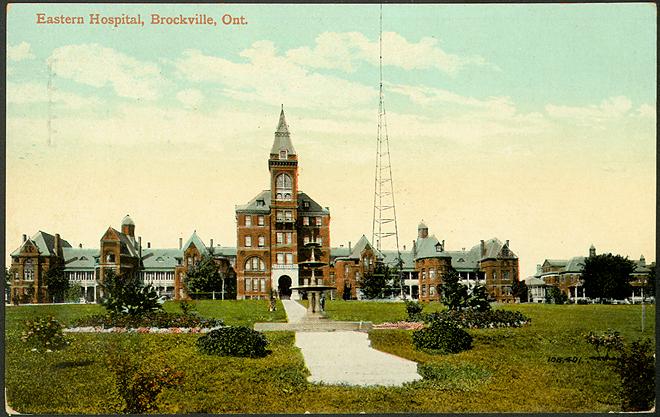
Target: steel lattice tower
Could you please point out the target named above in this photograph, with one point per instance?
(384, 217)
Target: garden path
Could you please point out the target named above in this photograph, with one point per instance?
(346, 357)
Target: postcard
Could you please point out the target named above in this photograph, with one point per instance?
(330, 208)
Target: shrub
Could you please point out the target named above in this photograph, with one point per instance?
(125, 294)
(472, 319)
(233, 341)
(414, 311)
(444, 336)
(139, 382)
(160, 319)
(610, 340)
(44, 334)
(636, 367)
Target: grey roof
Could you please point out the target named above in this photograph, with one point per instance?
(534, 282)
(127, 244)
(339, 252)
(199, 244)
(575, 264)
(157, 259)
(252, 204)
(226, 251)
(426, 247)
(556, 262)
(314, 207)
(494, 249)
(465, 260)
(79, 258)
(360, 246)
(282, 138)
(422, 225)
(127, 221)
(390, 258)
(45, 243)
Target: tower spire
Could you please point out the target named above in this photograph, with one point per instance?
(282, 140)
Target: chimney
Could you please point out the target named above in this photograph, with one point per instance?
(180, 243)
(80, 245)
(57, 244)
(140, 242)
(483, 248)
(507, 243)
(148, 245)
(211, 242)
(349, 246)
(404, 247)
(24, 238)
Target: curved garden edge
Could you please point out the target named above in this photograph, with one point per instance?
(141, 330)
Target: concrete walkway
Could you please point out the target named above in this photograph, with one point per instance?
(343, 357)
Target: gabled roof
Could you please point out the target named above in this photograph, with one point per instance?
(80, 259)
(45, 243)
(252, 205)
(360, 246)
(282, 137)
(556, 262)
(199, 244)
(155, 259)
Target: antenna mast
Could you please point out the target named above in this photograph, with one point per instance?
(384, 215)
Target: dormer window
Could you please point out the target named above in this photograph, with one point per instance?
(83, 258)
(438, 247)
(461, 260)
(261, 203)
(306, 204)
(283, 154)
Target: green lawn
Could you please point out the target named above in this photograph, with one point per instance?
(506, 371)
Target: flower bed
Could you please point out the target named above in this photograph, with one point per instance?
(481, 319)
(143, 330)
(402, 325)
(153, 319)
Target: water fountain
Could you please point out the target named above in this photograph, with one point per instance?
(313, 286)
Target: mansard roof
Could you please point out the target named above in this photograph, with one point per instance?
(253, 206)
(314, 207)
(465, 260)
(494, 249)
(282, 138)
(45, 243)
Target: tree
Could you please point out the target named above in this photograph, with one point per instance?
(57, 282)
(203, 276)
(125, 294)
(555, 296)
(607, 276)
(649, 285)
(519, 290)
(346, 295)
(478, 299)
(375, 284)
(230, 284)
(454, 294)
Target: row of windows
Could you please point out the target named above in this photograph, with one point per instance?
(260, 220)
(317, 221)
(261, 241)
(255, 284)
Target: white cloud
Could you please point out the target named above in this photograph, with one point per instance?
(270, 78)
(190, 97)
(98, 66)
(608, 109)
(25, 93)
(344, 50)
(19, 52)
(646, 110)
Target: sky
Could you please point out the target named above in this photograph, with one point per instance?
(529, 123)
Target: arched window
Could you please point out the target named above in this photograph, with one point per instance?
(283, 186)
(255, 264)
(28, 270)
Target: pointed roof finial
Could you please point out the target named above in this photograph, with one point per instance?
(282, 137)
